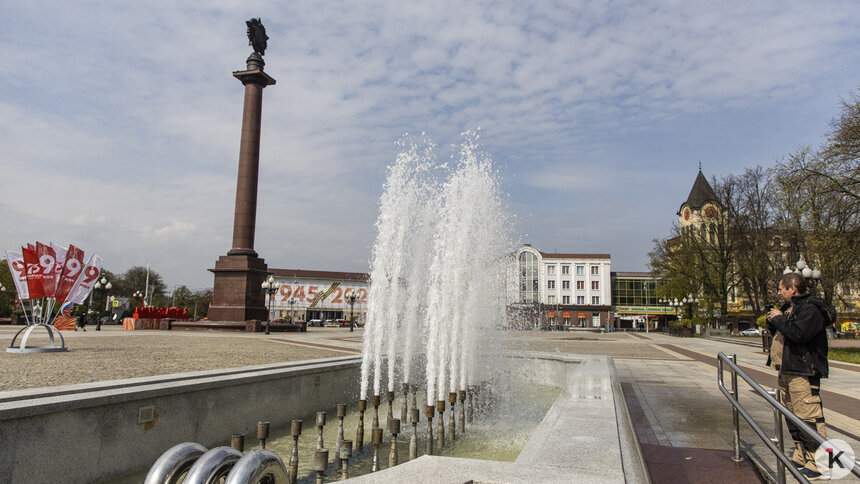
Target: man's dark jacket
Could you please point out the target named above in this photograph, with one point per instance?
(805, 348)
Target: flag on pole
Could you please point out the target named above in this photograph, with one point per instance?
(34, 273)
(71, 270)
(19, 273)
(60, 253)
(86, 280)
(47, 263)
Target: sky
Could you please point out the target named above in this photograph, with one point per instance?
(120, 121)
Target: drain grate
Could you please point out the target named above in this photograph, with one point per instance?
(146, 414)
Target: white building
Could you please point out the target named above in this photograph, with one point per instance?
(562, 289)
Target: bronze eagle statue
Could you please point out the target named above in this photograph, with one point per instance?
(257, 35)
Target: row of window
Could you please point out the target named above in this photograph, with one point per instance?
(580, 270)
(595, 285)
(579, 300)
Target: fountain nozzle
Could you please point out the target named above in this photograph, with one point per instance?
(320, 464)
(262, 433)
(429, 411)
(362, 405)
(440, 406)
(296, 428)
(390, 397)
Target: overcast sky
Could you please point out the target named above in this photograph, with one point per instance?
(120, 121)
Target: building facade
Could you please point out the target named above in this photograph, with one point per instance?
(635, 302)
(560, 290)
(306, 294)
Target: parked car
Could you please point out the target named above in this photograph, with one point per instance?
(315, 322)
(331, 323)
(750, 332)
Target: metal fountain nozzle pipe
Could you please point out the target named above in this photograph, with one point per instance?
(237, 441)
(390, 398)
(440, 406)
(262, 433)
(405, 403)
(341, 413)
(452, 428)
(376, 438)
(428, 442)
(470, 410)
(320, 425)
(293, 469)
(462, 397)
(359, 432)
(345, 453)
(414, 414)
(375, 411)
(394, 428)
(414, 396)
(452, 398)
(320, 464)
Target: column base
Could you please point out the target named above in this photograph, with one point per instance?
(238, 295)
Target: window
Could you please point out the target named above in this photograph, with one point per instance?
(581, 322)
(595, 299)
(595, 270)
(567, 321)
(550, 284)
(580, 284)
(550, 270)
(565, 299)
(595, 320)
(529, 268)
(565, 284)
(580, 299)
(595, 285)
(565, 269)
(580, 270)
(550, 299)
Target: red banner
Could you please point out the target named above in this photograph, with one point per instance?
(48, 263)
(551, 314)
(160, 313)
(580, 315)
(565, 315)
(34, 273)
(71, 269)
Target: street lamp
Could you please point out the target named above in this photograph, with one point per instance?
(690, 301)
(812, 276)
(103, 286)
(351, 298)
(270, 286)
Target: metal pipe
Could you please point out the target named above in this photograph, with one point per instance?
(359, 433)
(295, 431)
(341, 413)
(237, 441)
(376, 438)
(394, 428)
(462, 398)
(778, 440)
(320, 425)
(428, 442)
(258, 465)
(470, 410)
(452, 428)
(212, 466)
(415, 396)
(262, 433)
(735, 422)
(173, 463)
(405, 402)
(320, 464)
(413, 440)
(345, 454)
(390, 398)
(440, 407)
(375, 411)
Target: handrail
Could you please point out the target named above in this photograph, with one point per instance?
(778, 407)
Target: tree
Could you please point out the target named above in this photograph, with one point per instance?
(7, 297)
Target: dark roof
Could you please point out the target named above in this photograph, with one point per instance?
(632, 274)
(574, 256)
(306, 274)
(701, 192)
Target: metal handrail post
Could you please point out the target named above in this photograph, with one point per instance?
(778, 440)
(735, 420)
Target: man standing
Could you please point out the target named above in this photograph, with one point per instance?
(799, 353)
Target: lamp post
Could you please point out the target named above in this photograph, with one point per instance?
(690, 301)
(647, 323)
(270, 286)
(812, 276)
(351, 298)
(103, 286)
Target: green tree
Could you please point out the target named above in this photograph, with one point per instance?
(7, 296)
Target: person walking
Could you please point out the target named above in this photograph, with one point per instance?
(799, 354)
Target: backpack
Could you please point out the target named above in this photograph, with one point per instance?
(826, 309)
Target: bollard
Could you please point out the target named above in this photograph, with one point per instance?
(345, 453)
(376, 438)
(452, 429)
(359, 433)
(440, 437)
(320, 425)
(237, 441)
(428, 442)
(394, 428)
(341, 413)
(262, 433)
(413, 440)
(320, 464)
(375, 411)
(293, 470)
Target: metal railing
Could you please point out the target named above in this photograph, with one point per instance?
(780, 412)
